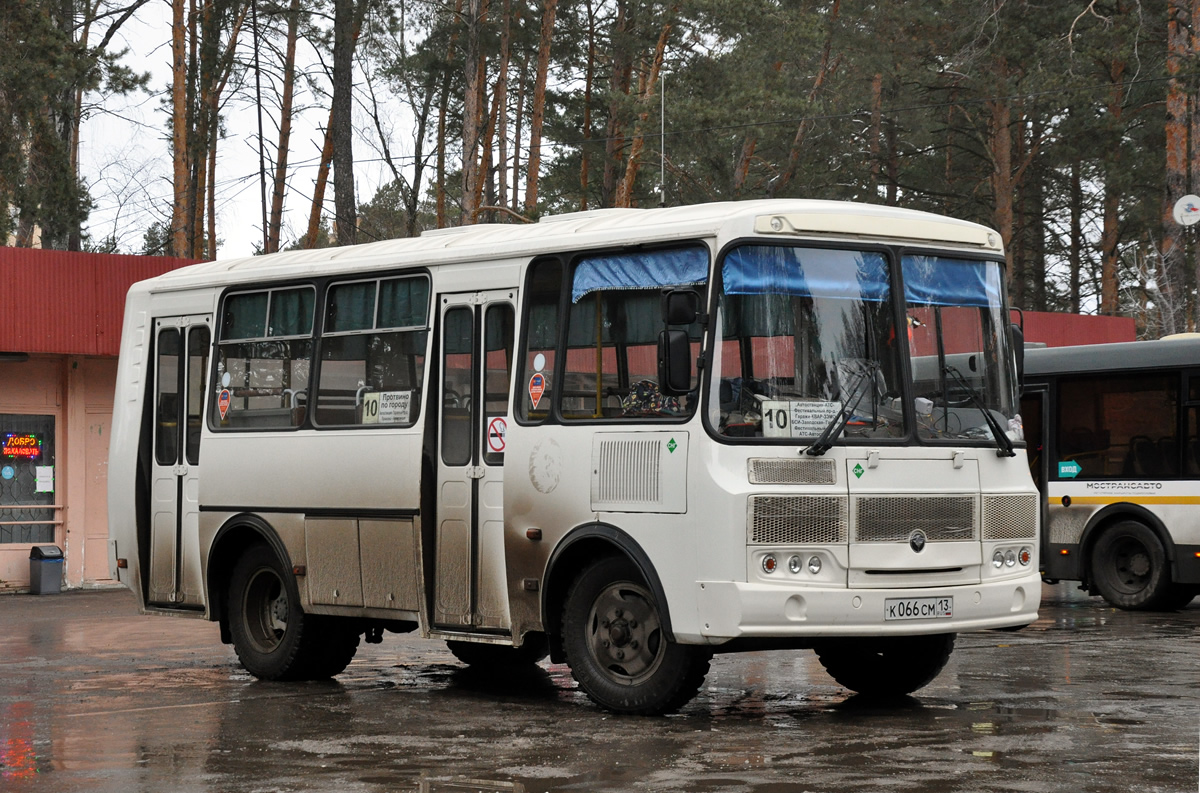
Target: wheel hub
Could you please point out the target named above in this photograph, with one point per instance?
(626, 634)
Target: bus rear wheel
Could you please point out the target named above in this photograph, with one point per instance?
(616, 645)
(888, 666)
(273, 638)
(1129, 567)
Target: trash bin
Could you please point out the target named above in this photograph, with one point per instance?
(45, 570)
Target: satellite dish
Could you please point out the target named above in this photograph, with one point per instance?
(1187, 210)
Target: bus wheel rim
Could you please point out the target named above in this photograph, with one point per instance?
(266, 610)
(625, 634)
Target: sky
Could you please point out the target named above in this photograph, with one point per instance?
(124, 153)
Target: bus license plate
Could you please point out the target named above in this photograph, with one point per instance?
(918, 608)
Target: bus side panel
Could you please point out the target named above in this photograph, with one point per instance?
(350, 496)
(128, 401)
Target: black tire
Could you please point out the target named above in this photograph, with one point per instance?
(502, 656)
(273, 638)
(616, 647)
(889, 666)
(1128, 566)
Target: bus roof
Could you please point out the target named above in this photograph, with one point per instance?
(786, 218)
(1129, 355)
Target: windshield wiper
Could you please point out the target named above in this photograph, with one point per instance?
(833, 429)
(1003, 442)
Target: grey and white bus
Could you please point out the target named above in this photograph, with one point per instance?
(1114, 443)
(628, 439)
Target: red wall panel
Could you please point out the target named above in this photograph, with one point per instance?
(68, 303)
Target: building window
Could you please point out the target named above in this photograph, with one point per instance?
(26, 478)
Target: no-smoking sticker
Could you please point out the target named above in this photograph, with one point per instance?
(497, 429)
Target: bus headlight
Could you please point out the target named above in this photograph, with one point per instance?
(1024, 556)
(769, 563)
(998, 559)
(814, 565)
(794, 564)
(1010, 558)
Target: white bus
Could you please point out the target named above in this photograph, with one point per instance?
(1114, 440)
(626, 438)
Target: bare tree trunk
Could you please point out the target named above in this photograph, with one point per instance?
(625, 190)
(501, 103)
(620, 81)
(518, 134)
(314, 213)
(346, 14)
(549, 10)
(588, 76)
(873, 144)
(179, 128)
(472, 95)
(1076, 255)
(1001, 178)
(279, 184)
(1110, 234)
(1171, 284)
(741, 169)
(824, 71)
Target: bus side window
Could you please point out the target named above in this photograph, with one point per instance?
(498, 328)
(264, 359)
(373, 352)
(535, 384)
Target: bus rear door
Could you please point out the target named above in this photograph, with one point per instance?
(182, 346)
(477, 331)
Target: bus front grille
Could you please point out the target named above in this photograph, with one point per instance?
(797, 520)
(1010, 517)
(895, 518)
(778, 471)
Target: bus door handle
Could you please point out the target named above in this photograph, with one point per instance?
(180, 470)
(474, 472)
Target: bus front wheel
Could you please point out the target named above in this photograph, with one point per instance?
(887, 666)
(616, 646)
(1129, 567)
(273, 638)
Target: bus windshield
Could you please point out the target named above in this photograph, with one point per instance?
(802, 333)
(959, 349)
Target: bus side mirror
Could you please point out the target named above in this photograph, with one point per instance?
(674, 362)
(1018, 337)
(680, 306)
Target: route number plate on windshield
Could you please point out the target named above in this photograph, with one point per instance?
(918, 608)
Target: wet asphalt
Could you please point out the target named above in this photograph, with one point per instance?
(94, 697)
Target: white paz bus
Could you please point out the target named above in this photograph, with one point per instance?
(626, 438)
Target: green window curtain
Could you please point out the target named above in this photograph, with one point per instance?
(351, 307)
(291, 312)
(403, 303)
(245, 317)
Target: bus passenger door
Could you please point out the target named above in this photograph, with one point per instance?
(477, 330)
(1035, 407)
(181, 347)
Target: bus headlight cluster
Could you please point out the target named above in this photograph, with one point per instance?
(1011, 557)
(795, 564)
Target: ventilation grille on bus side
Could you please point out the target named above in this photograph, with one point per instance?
(777, 471)
(628, 472)
(797, 520)
(894, 518)
(1010, 517)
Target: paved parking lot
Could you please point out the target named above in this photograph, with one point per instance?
(94, 697)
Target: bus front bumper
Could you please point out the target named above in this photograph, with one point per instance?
(743, 610)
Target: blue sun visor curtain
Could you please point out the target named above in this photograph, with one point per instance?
(640, 270)
(939, 281)
(806, 272)
(858, 275)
